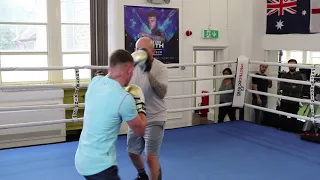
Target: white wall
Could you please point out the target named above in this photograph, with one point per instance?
(239, 28)
(194, 16)
(24, 136)
(304, 42)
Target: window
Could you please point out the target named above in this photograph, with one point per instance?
(24, 61)
(75, 31)
(33, 35)
(297, 55)
(23, 39)
(314, 58)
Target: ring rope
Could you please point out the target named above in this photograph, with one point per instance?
(277, 112)
(59, 86)
(281, 79)
(201, 78)
(76, 95)
(20, 125)
(39, 87)
(199, 95)
(28, 108)
(56, 68)
(282, 97)
(169, 65)
(283, 64)
(77, 87)
(58, 106)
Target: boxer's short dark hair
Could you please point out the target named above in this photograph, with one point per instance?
(119, 57)
(292, 60)
(228, 70)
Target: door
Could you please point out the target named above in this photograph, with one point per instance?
(207, 55)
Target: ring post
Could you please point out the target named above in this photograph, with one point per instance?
(76, 95)
(241, 81)
(308, 125)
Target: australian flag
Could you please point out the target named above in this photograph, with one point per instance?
(288, 17)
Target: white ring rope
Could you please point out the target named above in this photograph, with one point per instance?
(59, 86)
(31, 124)
(39, 87)
(40, 107)
(169, 65)
(201, 64)
(77, 86)
(57, 68)
(282, 97)
(199, 108)
(311, 83)
(200, 95)
(303, 66)
(61, 106)
(277, 112)
(201, 78)
(76, 104)
(281, 79)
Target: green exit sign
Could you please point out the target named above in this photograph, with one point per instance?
(210, 34)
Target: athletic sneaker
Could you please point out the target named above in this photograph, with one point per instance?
(142, 177)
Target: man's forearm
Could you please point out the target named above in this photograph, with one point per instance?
(254, 87)
(298, 88)
(159, 89)
(269, 83)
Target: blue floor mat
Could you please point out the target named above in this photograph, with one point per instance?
(229, 151)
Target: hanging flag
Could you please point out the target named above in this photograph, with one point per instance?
(315, 16)
(288, 17)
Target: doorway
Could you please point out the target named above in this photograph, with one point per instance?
(206, 55)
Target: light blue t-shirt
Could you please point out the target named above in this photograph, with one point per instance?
(107, 104)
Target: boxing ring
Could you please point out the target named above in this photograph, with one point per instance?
(237, 150)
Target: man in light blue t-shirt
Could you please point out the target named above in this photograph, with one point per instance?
(107, 105)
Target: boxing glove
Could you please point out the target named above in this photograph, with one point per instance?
(141, 59)
(138, 96)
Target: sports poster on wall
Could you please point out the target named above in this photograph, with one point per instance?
(160, 24)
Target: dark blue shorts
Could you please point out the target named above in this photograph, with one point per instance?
(108, 174)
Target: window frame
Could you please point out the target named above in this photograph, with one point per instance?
(54, 45)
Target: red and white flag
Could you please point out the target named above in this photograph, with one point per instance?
(315, 16)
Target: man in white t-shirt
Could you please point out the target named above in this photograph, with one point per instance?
(154, 83)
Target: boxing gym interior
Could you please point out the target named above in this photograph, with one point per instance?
(50, 50)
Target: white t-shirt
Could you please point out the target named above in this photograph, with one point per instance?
(155, 107)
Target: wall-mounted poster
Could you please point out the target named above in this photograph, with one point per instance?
(160, 24)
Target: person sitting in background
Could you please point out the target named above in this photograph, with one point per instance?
(290, 90)
(262, 85)
(227, 84)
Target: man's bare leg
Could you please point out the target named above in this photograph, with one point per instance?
(154, 167)
(137, 161)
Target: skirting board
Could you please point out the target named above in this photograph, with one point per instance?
(32, 142)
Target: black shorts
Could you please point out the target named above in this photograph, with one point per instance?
(108, 174)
